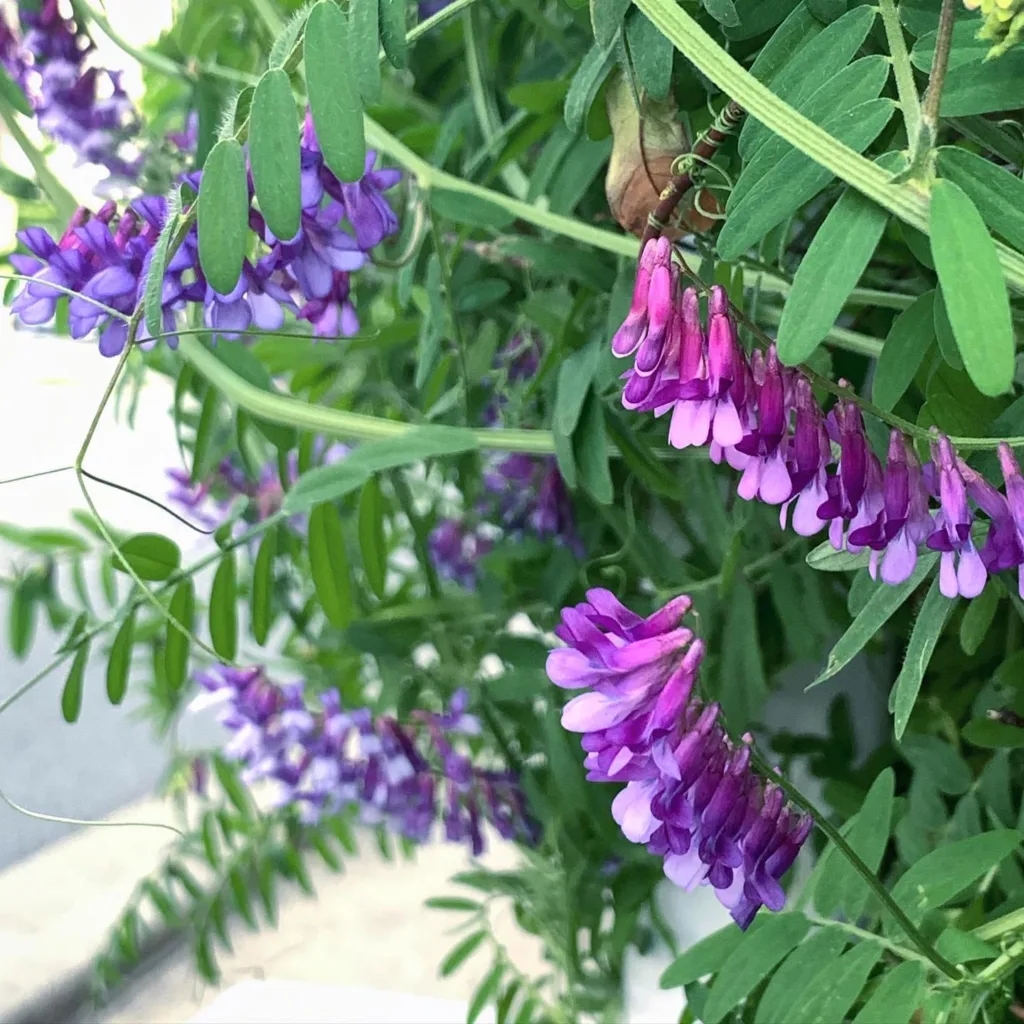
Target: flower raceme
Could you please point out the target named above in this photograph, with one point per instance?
(690, 793)
(328, 760)
(105, 259)
(762, 419)
(83, 106)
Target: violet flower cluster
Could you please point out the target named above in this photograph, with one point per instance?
(524, 495)
(330, 760)
(105, 259)
(75, 102)
(690, 793)
(762, 418)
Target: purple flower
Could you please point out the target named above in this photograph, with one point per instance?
(332, 760)
(961, 570)
(652, 275)
(333, 315)
(455, 548)
(1015, 501)
(690, 794)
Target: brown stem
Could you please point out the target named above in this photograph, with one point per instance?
(943, 41)
(704, 148)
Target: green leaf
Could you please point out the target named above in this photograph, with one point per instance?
(911, 334)
(897, 997)
(372, 542)
(11, 94)
(328, 483)
(153, 298)
(751, 961)
(565, 459)
(840, 887)
(937, 761)
(652, 54)
(990, 734)
(151, 556)
(931, 620)
(263, 587)
(329, 565)
(974, 626)
(71, 696)
(832, 48)
(800, 970)
(236, 356)
(233, 788)
(574, 376)
(223, 216)
(461, 952)
(973, 288)
(485, 992)
(176, 652)
(723, 11)
(274, 153)
(799, 28)
(940, 875)
(333, 91)
(453, 903)
(796, 178)
(203, 443)
(392, 32)
(829, 271)
(119, 662)
(606, 18)
(857, 83)
(830, 1002)
(827, 10)
(223, 611)
(22, 616)
(995, 191)
(211, 846)
(365, 36)
(944, 334)
(590, 450)
(881, 606)
(468, 209)
(585, 86)
(742, 684)
(825, 558)
(434, 325)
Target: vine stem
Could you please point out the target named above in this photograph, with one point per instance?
(80, 474)
(908, 201)
(940, 62)
(871, 879)
(902, 70)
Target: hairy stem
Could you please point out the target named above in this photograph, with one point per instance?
(871, 879)
(902, 70)
(940, 62)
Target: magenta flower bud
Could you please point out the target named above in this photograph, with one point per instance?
(692, 365)
(656, 253)
(659, 317)
(723, 357)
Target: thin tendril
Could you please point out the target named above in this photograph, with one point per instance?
(145, 497)
(90, 823)
(109, 310)
(100, 524)
(32, 476)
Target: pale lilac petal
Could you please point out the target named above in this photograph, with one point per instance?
(570, 669)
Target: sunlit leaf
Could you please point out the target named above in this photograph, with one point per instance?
(274, 153)
(223, 216)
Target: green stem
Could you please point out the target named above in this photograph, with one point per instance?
(863, 933)
(907, 201)
(1014, 921)
(903, 71)
(908, 926)
(64, 202)
(337, 422)
(71, 293)
(940, 62)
